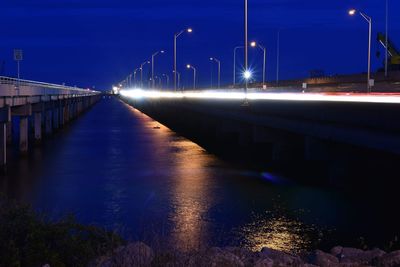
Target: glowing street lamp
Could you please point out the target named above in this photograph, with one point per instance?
(254, 44)
(152, 65)
(188, 30)
(353, 12)
(141, 72)
(219, 69)
(194, 74)
(247, 75)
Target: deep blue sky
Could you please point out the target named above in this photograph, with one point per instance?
(98, 42)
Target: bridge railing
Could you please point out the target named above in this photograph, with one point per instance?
(19, 87)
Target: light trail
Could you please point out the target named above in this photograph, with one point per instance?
(235, 95)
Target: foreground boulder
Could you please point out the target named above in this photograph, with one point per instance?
(139, 254)
(390, 259)
(134, 254)
(323, 259)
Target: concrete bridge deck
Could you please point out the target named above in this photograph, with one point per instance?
(49, 105)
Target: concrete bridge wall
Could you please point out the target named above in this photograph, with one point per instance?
(285, 130)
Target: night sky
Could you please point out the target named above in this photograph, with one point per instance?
(97, 43)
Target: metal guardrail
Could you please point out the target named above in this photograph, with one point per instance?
(42, 85)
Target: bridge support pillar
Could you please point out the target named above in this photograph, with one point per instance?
(23, 112)
(9, 132)
(37, 120)
(48, 122)
(3, 143)
(23, 134)
(55, 118)
(5, 118)
(62, 115)
(66, 111)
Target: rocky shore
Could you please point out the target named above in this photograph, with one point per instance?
(139, 254)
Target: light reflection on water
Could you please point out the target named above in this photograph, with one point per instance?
(278, 233)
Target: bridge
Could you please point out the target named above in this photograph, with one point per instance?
(286, 126)
(45, 106)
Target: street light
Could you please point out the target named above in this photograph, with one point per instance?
(141, 72)
(134, 76)
(159, 81)
(152, 65)
(254, 44)
(352, 12)
(219, 69)
(194, 74)
(167, 77)
(246, 48)
(188, 30)
(387, 40)
(178, 74)
(278, 53)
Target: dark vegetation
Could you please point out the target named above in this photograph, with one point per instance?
(31, 239)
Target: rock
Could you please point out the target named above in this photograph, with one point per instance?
(323, 259)
(390, 259)
(216, 257)
(134, 254)
(280, 258)
(266, 262)
(361, 257)
(336, 251)
(242, 253)
(248, 257)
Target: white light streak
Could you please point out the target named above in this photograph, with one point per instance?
(237, 95)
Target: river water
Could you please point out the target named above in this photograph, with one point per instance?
(117, 168)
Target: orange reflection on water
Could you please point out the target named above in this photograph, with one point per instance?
(190, 194)
(277, 233)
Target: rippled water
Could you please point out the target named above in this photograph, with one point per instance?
(118, 168)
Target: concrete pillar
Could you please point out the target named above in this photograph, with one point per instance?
(3, 143)
(61, 115)
(66, 112)
(23, 134)
(9, 132)
(48, 123)
(37, 121)
(55, 118)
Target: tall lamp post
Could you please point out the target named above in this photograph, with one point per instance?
(189, 30)
(219, 70)
(352, 12)
(234, 63)
(254, 44)
(246, 73)
(194, 74)
(278, 52)
(178, 75)
(134, 76)
(167, 77)
(152, 65)
(141, 72)
(387, 40)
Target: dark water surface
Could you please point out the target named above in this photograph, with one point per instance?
(118, 168)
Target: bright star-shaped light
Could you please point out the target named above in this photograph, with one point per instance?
(247, 74)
